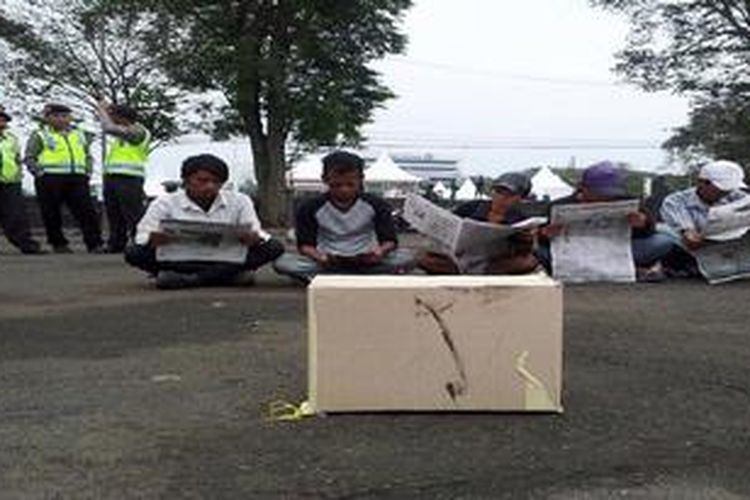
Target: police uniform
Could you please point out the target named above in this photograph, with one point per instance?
(124, 171)
(13, 218)
(61, 165)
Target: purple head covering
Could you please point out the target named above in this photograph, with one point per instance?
(605, 179)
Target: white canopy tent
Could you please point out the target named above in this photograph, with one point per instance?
(547, 184)
(441, 191)
(467, 191)
(387, 178)
(306, 174)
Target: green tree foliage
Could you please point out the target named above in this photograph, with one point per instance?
(685, 45)
(78, 51)
(291, 71)
(719, 127)
(700, 48)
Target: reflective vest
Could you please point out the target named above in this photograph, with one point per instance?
(10, 170)
(124, 158)
(63, 153)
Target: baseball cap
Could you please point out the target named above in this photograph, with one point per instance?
(514, 182)
(605, 179)
(725, 175)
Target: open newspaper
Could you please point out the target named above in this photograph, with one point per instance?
(728, 222)
(721, 262)
(471, 243)
(595, 242)
(726, 254)
(201, 241)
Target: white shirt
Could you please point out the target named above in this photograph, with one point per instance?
(228, 208)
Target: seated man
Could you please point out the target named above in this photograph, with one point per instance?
(508, 191)
(202, 200)
(604, 182)
(685, 212)
(344, 230)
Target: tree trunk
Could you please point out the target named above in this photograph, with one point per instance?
(270, 173)
(268, 143)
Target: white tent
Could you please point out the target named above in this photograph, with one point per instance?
(547, 184)
(384, 176)
(467, 191)
(441, 191)
(306, 174)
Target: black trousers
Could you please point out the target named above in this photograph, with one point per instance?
(124, 202)
(54, 190)
(13, 218)
(144, 257)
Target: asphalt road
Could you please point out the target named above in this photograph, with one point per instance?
(113, 390)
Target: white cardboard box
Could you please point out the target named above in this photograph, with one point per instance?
(423, 343)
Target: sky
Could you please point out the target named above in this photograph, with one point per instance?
(514, 84)
(505, 85)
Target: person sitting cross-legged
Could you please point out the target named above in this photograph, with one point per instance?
(344, 230)
(517, 257)
(685, 213)
(202, 200)
(606, 182)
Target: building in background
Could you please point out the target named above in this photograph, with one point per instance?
(429, 168)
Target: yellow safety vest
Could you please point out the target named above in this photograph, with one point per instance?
(10, 170)
(63, 153)
(124, 158)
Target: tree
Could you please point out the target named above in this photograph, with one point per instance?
(685, 45)
(698, 48)
(81, 50)
(718, 127)
(291, 71)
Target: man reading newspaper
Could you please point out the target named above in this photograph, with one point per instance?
(599, 234)
(344, 230)
(479, 238)
(710, 222)
(201, 235)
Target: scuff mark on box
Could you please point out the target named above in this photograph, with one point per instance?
(454, 388)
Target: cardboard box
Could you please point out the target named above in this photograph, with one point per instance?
(422, 343)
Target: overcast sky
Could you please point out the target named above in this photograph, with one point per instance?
(505, 84)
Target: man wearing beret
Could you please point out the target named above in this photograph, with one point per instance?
(201, 200)
(12, 210)
(57, 155)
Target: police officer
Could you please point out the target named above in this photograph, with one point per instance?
(124, 170)
(12, 206)
(57, 154)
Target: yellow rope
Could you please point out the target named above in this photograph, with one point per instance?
(283, 411)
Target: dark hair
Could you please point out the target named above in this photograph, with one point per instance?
(124, 111)
(340, 162)
(54, 108)
(207, 162)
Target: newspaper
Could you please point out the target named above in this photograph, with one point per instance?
(595, 242)
(471, 243)
(725, 261)
(728, 222)
(201, 241)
